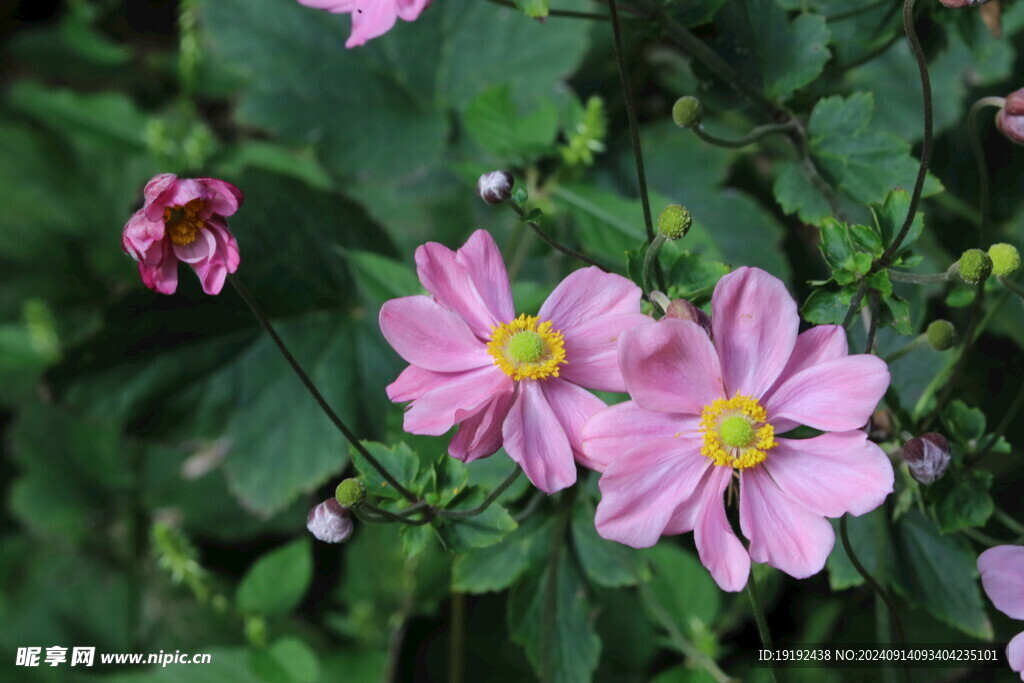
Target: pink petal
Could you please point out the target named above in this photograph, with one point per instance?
(684, 517)
(832, 474)
(425, 333)
(534, 438)
(719, 549)
(587, 294)
(1015, 654)
(460, 396)
(413, 382)
(782, 532)
(202, 248)
(336, 6)
(1002, 575)
(572, 405)
(227, 245)
(615, 430)
(641, 489)
(480, 435)
(376, 18)
(670, 367)
(836, 396)
(178, 192)
(157, 184)
(161, 276)
(454, 287)
(410, 10)
(224, 198)
(591, 350)
(481, 258)
(755, 326)
(139, 237)
(816, 345)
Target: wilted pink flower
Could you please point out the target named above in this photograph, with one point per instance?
(509, 381)
(183, 219)
(1010, 119)
(370, 18)
(1002, 575)
(330, 522)
(705, 415)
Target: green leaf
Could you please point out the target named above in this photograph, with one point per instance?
(495, 123)
(890, 216)
(276, 583)
(381, 278)
(548, 615)
(606, 563)
(480, 531)
(692, 276)
(872, 542)
(896, 312)
(966, 425)
(796, 194)
(941, 574)
(450, 477)
(536, 9)
(695, 12)
(301, 165)
(289, 660)
(398, 460)
(826, 306)
(683, 588)
(497, 567)
(836, 245)
(968, 504)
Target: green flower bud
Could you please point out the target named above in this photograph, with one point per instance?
(687, 112)
(674, 222)
(941, 334)
(1005, 258)
(350, 493)
(975, 266)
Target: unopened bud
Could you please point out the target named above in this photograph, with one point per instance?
(1005, 258)
(941, 334)
(681, 309)
(350, 493)
(1010, 119)
(495, 187)
(330, 522)
(960, 4)
(687, 112)
(927, 457)
(975, 266)
(674, 222)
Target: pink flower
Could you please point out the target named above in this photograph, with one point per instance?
(705, 415)
(370, 18)
(183, 220)
(509, 381)
(1002, 575)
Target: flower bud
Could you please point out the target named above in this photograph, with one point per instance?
(687, 112)
(960, 4)
(1005, 258)
(674, 222)
(495, 187)
(941, 334)
(681, 309)
(927, 457)
(330, 522)
(975, 266)
(350, 493)
(1010, 119)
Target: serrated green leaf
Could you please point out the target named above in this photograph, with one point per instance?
(683, 587)
(485, 529)
(381, 278)
(968, 504)
(606, 563)
(495, 123)
(836, 245)
(276, 583)
(826, 306)
(536, 9)
(965, 424)
(497, 567)
(796, 194)
(398, 460)
(872, 542)
(892, 213)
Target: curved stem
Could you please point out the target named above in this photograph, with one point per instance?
(466, 514)
(984, 191)
(1011, 286)
(983, 538)
(649, 257)
(875, 586)
(1009, 522)
(873, 310)
(920, 279)
(748, 139)
(552, 242)
(911, 346)
(321, 401)
(762, 623)
(685, 645)
(391, 516)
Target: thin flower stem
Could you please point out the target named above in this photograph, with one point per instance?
(457, 639)
(1004, 424)
(321, 401)
(531, 505)
(983, 538)
(569, 14)
(391, 516)
(762, 623)
(685, 645)
(649, 258)
(961, 362)
(984, 191)
(552, 242)
(1009, 522)
(911, 346)
(748, 139)
(1011, 286)
(466, 514)
(875, 586)
(869, 344)
(921, 279)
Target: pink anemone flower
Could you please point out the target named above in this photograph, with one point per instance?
(370, 18)
(507, 380)
(183, 219)
(704, 415)
(1002, 575)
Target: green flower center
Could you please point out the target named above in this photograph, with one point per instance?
(736, 431)
(526, 347)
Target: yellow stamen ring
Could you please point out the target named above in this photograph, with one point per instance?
(183, 222)
(526, 348)
(736, 432)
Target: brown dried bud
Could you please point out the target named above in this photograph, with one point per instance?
(927, 457)
(330, 522)
(681, 309)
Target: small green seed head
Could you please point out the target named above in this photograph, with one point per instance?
(687, 112)
(1005, 259)
(674, 222)
(736, 432)
(526, 347)
(941, 334)
(975, 266)
(350, 493)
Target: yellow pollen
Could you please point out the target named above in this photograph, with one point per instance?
(183, 222)
(527, 348)
(730, 443)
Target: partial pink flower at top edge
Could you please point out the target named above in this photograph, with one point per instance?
(519, 381)
(706, 415)
(183, 219)
(1002, 575)
(370, 18)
